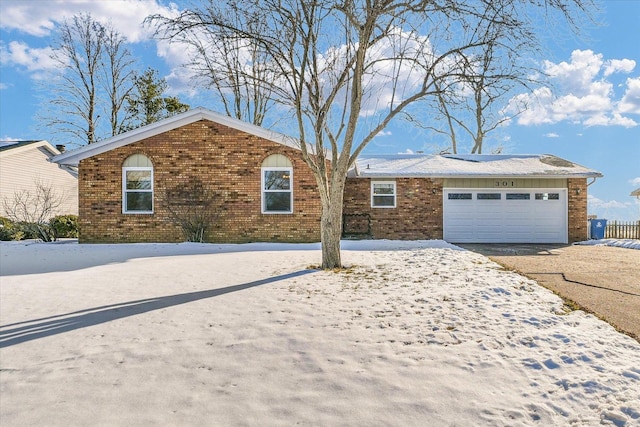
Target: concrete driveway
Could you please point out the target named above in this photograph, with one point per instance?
(603, 280)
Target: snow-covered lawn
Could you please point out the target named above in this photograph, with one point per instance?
(414, 333)
(620, 243)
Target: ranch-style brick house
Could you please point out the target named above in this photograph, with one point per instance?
(263, 191)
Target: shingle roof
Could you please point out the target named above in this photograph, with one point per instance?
(10, 145)
(468, 166)
(399, 165)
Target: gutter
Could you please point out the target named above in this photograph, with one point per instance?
(593, 175)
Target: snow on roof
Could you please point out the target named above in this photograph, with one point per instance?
(469, 166)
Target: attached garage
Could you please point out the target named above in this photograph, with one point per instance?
(490, 215)
(536, 198)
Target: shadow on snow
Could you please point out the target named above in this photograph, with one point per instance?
(16, 333)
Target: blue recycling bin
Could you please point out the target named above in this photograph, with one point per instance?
(598, 226)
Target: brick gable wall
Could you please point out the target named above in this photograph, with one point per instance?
(417, 215)
(226, 160)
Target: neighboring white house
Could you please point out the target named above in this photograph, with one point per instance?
(26, 164)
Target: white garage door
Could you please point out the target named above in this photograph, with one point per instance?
(505, 216)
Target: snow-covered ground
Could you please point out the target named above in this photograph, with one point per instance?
(413, 333)
(621, 243)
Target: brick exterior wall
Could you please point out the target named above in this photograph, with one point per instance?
(227, 161)
(577, 204)
(418, 212)
(417, 215)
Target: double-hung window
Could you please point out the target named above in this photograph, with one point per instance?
(277, 185)
(137, 185)
(383, 194)
(277, 190)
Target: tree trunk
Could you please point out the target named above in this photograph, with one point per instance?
(331, 232)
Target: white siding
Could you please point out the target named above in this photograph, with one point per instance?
(22, 168)
(505, 183)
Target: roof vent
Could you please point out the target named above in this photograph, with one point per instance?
(556, 161)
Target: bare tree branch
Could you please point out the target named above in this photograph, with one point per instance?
(96, 72)
(35, 209)
(344, 69)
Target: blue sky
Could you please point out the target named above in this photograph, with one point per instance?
(590, 115)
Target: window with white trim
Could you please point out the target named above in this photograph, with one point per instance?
(277, 185)
(137, 185)
(383, 194)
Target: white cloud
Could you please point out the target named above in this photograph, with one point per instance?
(407, 151)
(551, 135)
(635, 181)
(33, 60)
(40, 17)
(630, 102)
(619, 65)
(582, 94)
(538, 107)
(384, 133)
(596, 203)
(381, 90)
(614, 120)
(180, 78)
(578, 74)
(35, 17)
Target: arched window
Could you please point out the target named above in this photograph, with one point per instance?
(277, 185)
(137, 185)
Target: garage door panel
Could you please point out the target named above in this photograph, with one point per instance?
(506, 216)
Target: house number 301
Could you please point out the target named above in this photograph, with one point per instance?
(505, 184)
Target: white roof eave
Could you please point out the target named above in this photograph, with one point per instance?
(20, 149)
(479, 175)
(72, 158)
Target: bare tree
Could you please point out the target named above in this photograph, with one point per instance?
(94, 66)
(347, 68)
(231, 64)
(34, 209)
(472, 105)
(118, 78)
